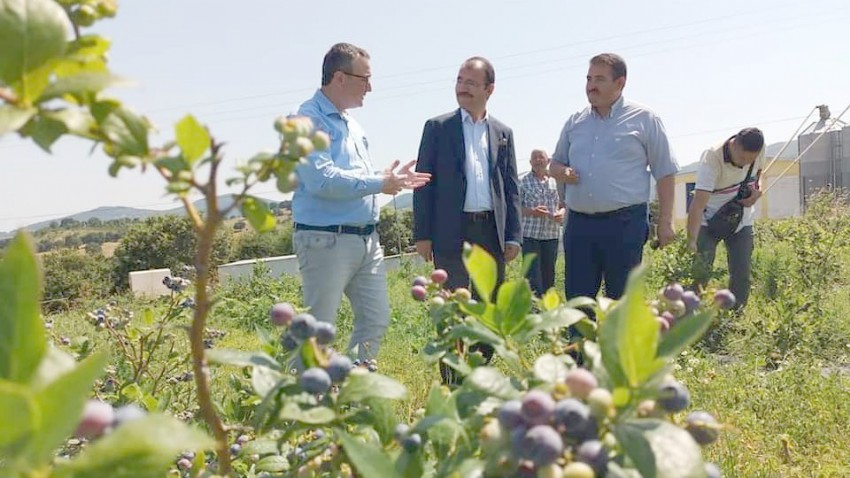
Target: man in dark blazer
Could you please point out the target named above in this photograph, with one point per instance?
(473, 195)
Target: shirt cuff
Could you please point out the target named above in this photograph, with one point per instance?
(374, 184)
(513, 242)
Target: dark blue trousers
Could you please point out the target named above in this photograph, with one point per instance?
(604, 246)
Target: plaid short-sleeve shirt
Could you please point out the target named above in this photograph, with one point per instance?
(533, 193)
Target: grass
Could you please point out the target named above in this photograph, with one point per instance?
(778, 375)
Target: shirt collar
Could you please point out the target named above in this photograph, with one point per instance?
(615, 108)
(325, 105)
(465, 116)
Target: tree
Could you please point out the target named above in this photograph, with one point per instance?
(162, 242)
(71, 277)
(254, 245)
(396, 230)
(94, 222)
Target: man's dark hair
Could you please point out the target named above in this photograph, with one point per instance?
(484, 64)
(750, 139)
(616, 62)
(339, 58)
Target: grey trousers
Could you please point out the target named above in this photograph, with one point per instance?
(739, 253)
(333, 264)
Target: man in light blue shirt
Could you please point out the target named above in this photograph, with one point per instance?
(335, 206)
(605, 156)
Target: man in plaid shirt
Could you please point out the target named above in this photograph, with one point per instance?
(542, 217)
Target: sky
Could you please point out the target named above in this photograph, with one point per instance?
(706, 68)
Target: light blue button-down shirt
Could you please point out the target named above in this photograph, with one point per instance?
(337, 186)
(611, 156)
(476, 164)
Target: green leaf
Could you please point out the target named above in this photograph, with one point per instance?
(44, 131)
(527, 263)
(241, 358)
(369, 461)
(138, 449)
(513, 302)
(264, 379)
(552, 369)
(491, 381)
(77, 121)
(550, 300)
(18, 413)
(685, 331)
(577, 302)
(273, 464)
(54, 364)
(660, 449)
(80, 84)
(32, 33)
(310, 416)
(22, 341)
(559, 318)
(629, 337)
(127, 130)
(60, 405)
(360, 386)
(482, 271)
(261, 219)
(192, 137)
(13, 118)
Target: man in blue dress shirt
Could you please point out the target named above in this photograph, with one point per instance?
(335, 207)
(605, 156)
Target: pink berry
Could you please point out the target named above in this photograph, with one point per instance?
(439, 276)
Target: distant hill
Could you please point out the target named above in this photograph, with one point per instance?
(402, 201)
(108, 213)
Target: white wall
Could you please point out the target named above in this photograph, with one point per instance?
(149, 283)
(288, 265)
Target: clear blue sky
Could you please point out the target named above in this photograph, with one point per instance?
(707, 68)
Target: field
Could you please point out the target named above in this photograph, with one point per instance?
(777, 375)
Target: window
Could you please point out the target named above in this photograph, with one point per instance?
(689, 195)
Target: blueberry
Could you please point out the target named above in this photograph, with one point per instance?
(439, 276)
(573, 419)
(724, 299)
(673, 397)
(594, 453)
(578, 469)
(510, 415)
(338, 368)
(580, 382)
(97, 417)
(289, 342)
(673, 291)
(235, 449)
(601, 402)
(401, 431)
(184, 464)
(542, 445)
(691, 300)
(411, 443)
(325, 333)
(419, 293)
(282, 314)
(420, 281)
(315, 380)
(303, 326)
(537, 407)
(702, 426)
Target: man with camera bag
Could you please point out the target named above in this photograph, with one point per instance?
(728, 184)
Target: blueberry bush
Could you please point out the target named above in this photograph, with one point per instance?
(307, 409)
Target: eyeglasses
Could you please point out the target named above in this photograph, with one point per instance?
(468, 83)
(365, 78)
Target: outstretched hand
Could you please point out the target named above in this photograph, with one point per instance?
(404, 178)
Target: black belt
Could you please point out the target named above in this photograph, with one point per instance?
(478, 216)
(366, 230)
(615, 212)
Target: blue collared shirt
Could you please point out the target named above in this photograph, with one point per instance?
(476, 142)
(337, 186)
(613, 156)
